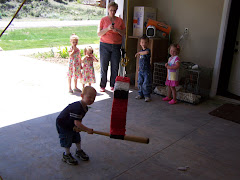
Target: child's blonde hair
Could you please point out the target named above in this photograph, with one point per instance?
(175, 46)
(73, 37)
(88, 48)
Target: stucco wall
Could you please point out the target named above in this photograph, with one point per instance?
(203, 19)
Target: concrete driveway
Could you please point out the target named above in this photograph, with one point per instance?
(32, 94)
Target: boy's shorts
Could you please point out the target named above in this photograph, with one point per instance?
(68, 137)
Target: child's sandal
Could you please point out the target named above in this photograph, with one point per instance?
(77, 90)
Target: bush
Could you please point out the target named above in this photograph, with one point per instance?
(38, 14)
(4, 15)
(63, 52)
(45, 55)
(32, 13)
(10, 5)
(25, 8)
(3, 1)
(80, 1)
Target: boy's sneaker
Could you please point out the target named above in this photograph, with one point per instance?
(69, 159)
(147, 99)
(82, 155)
(139, 97)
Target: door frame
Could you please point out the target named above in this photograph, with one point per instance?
(226, 43)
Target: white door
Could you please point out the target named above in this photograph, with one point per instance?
(234, 81)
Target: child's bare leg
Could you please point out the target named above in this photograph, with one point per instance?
(69, 83)
(173, 93)
(78, 145)
(67, 151)
(90, 84)
(169, 92)
(83, 85)
(75, 84)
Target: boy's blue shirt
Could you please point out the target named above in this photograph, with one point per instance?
(144, 61)
(73, 111)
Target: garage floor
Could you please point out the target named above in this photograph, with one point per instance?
(33, 93)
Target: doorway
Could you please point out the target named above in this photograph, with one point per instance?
(227, 73)
(234, 80)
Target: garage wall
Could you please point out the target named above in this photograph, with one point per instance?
(132, 43)
(203, 19)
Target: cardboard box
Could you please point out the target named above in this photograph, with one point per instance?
(140, 19)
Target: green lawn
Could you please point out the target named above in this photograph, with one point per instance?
(47, 37)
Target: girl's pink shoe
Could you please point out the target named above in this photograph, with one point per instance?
(172, 102)
(166, 99)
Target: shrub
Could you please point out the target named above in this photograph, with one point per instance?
(38, 14)
(63, 52)
(3, 1)
(4, 14)
(80, 1)
(10, 5)
(82, 52)
(25, 8)
(32, 13)
(45, 55)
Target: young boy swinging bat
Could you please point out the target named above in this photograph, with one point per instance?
(118, 116)
(72, 116)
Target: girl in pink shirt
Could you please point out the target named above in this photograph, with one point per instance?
(172, 66)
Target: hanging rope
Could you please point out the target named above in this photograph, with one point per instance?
(13, 17)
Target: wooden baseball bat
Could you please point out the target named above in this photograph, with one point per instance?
(126, 137)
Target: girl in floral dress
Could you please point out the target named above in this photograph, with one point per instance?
(74, 68)
(88, 75)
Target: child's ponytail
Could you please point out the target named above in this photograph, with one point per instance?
(73, 36)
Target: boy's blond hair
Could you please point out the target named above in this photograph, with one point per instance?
(87, 89)
(73, 37)
(88, 48)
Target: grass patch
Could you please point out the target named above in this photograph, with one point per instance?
(47, 37)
